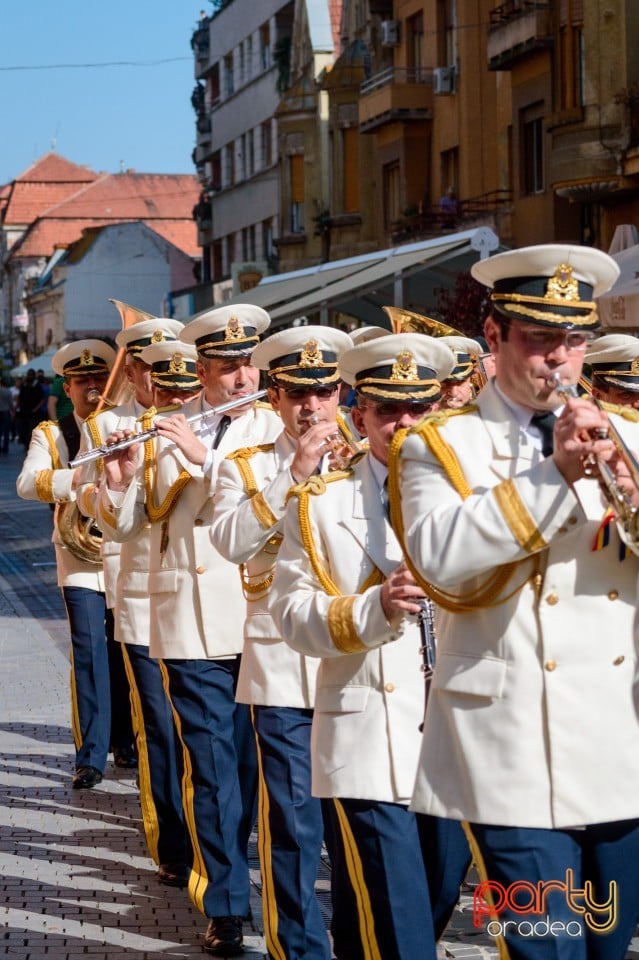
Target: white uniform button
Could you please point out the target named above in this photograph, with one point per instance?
(198, 522)
(200, 569)
(618, 661)
(613, 594)
(389, 687)
(552, 599)
(550, 665)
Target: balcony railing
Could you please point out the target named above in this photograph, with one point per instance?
(516, 27)
(395, 94)
(396, 75)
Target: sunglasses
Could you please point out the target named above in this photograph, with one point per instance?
(301, 393)
(395, 408)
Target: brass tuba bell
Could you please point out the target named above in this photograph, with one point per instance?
(405, 321)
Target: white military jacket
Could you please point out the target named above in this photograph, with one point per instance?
(126, 565)
(45, 476)
(250, 500)
(369, 700)
(532, 716)
(197, 606)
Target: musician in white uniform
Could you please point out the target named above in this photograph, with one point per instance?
(457, 388)
(197, 603)
(127, 575)
(250, 500)
(613, 362)
(532, 733)
(342, 593)
(45, 476)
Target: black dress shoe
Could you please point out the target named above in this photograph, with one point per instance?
(86, 777)
(223, 936)
(173, 874)
(125, 757)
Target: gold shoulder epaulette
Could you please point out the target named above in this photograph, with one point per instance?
(46, 423)
(628, 413)
(245, 453)
(439, 418)
(93, 415)
(264, 405)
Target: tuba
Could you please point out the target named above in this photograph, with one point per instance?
(77, 532)
(405, 321)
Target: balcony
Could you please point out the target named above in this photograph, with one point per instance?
(398, 93)
(516, 29)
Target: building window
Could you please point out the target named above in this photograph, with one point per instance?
(229, 84)
(296, 179)
(248, 59)
(216, 171)
(571, 54)
(446, 34)
(217, 259)
(390, 187)
(229, 152)
(350, 170)
(415, 42)
(532, 152)
(230, 253)
(268, 247)
(267, 144)
(265, 45)
(248, 243)
(213, 84)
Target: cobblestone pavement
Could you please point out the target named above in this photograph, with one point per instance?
(75, 880)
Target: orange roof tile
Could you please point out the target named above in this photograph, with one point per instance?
(335, 13)
(181, 233)
(133, 196)
(27, 201)
(52, 168)
(48, 232)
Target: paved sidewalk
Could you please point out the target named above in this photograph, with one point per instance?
(75, 877)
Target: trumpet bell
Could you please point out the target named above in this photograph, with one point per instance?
(405, 321)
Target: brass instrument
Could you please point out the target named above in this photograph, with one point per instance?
(106, 449)
(620, 500)
(78, 533)
(405, 321)
(341, 447)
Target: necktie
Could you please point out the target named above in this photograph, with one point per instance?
(222, 427)
(384, 496)
(545, 423)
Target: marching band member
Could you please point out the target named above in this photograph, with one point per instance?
(156, 739)
(197, 604)
(341, 592)
(532, 733)
(85, 366)
(250, 500)
(614, 363)
(458, 388)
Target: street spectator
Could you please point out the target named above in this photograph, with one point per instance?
(5, 415)
(449, 209)
(31, 405)
(58, 403)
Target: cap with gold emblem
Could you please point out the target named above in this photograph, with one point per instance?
(401, 366)
(226, 332)
(615, 360)
(466, 352)
(82, 358)
(364, 334)
(138, 336)
(302, 357)
(173, 365)
(551, 284)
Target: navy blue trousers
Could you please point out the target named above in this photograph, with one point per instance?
(447, 859)
(90, 687)
(387, 910)
(159, 758)
(121, 719)
(219, 787)
(291, 830)
(605, 855)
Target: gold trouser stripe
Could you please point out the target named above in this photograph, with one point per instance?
(502, 946)
(370, 947)
(516, 514)
(269, 900)
(147, 803)
(198, 881)
(75, 716)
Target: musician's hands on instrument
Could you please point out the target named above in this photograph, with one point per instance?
(580, 438)
(312, 445)
(177, 430)
(120, 466)
(400, 594)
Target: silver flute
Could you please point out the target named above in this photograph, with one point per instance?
(106, 449)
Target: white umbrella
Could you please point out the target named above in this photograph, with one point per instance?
(619, 308)
(41, 362)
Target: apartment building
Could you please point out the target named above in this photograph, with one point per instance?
(242, 57)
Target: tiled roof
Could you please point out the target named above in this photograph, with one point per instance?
(133, 196)
(52, 168)
(28, 200)
(47, 233)
(335, 13)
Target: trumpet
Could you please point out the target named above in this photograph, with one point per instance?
(341, 448)
(106, 449)
(621, 501)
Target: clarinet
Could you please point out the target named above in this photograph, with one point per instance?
(426, 621)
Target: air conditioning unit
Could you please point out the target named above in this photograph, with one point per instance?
(390, 33)
(444, 80)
